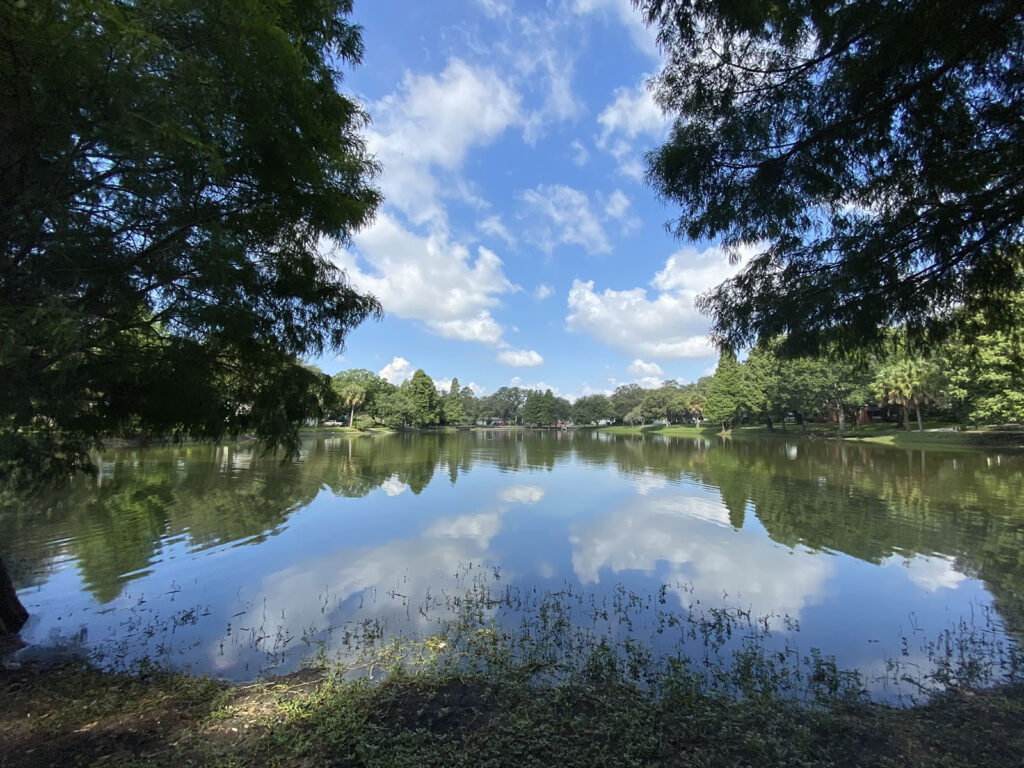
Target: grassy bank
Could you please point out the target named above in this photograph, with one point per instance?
(342, 431)
(934, 437)
(540, 691)
(73, 715)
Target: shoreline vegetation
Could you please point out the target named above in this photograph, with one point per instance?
(936, 437)
(539, 691)
(71, 713)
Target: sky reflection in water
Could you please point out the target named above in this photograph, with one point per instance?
(219, 561)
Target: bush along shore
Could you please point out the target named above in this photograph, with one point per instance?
(551, 692)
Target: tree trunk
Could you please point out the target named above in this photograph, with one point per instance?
(906, 417)
(351, 415)
(768, 421)
(920, 421)
(12, 612)
(842, 421)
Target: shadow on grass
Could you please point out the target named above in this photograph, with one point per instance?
(74, 715)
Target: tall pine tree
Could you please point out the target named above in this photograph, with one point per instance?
(726, 392)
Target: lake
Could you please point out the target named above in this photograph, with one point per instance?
(224, 562)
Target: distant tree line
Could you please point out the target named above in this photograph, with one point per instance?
(976, 376)
(365, 399)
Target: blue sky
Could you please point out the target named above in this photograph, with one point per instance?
(518, 244)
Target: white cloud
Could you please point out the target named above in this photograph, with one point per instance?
(580, 155)
(442, 385)
(536, 47)
(492, 225)
(649, 375)
(540, 386)
(522, 494)
(480, 528)
(587, 389)
(667, 326)
(640, 368)
(633, 169)
(929, 573)
(622, 11)
(481, 327)
(430, 279)
(647, 482)
(397, 371)
(633, 113)
(393, 486)
(632, 116)
(559, 102)
(543, 291)
(429, 125)
(494, 8)
(422, 134)
(690, 540)
(617, 205)
(520, 357)
(568, 219)
(428, 563)
(477, 388)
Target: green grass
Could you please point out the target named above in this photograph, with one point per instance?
(547, 693)
(673, 430)
(937, 435)
(74, 716)
(353, 431)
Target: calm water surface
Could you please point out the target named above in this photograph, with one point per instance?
(222, 562)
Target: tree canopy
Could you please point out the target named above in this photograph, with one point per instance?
(725, 394)
(168, 174)
(871, 152)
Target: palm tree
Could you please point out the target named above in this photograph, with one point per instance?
(907, 382)
(353, 396)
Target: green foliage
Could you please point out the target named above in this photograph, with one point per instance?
(666, 402)
(909, 382)
(353, 396)
(626, 398)
(873, 151)
(506, 404)
(726, 391)
(453, 407)
(762, 385)
(363, 421)
(356, 379)
(470, 404)
(544, 409)
(591, 409)
(985, 365)
(396, 409)
(169, 171)
(423, 395)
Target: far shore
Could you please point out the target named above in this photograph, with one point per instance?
(934, 437)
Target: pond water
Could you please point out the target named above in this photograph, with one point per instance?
(223, 562)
